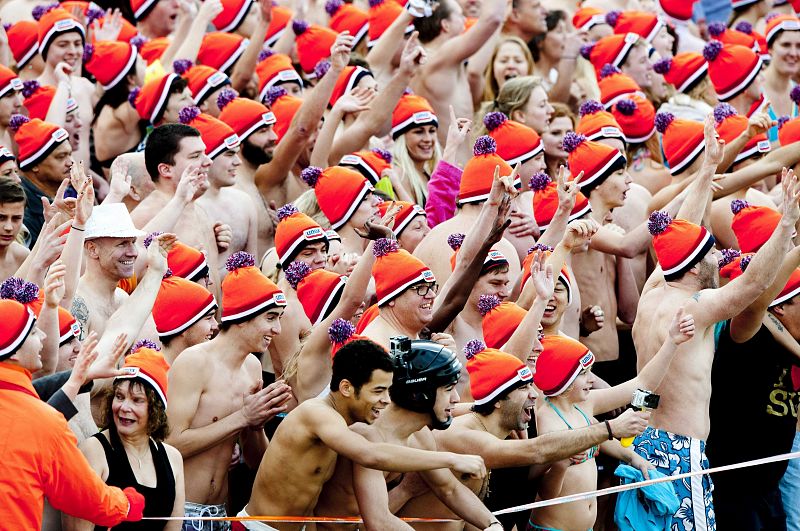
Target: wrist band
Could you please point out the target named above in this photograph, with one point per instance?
(78, 228)
(610, 433)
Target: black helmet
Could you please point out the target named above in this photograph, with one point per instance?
(420, 367)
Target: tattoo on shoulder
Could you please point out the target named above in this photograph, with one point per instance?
(81, 312)
(696, 296)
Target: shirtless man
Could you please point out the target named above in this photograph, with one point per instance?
(692, 281)
(527, 19)
(302, 455)
(215, 393)
(443, 78)
(12, 211)
(172, 151)
(423, 394)
(10, 103)
(137, 182)
(156, 18)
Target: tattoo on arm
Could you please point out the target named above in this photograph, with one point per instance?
(81, 312)
(775, 321)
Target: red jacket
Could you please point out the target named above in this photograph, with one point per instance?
(40, 457)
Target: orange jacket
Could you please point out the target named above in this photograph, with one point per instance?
(40, 457)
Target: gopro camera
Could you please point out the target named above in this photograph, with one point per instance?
(643, 399)
(399, 345)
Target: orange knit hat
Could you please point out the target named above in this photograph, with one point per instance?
(32, 297)
(151, 100)
(274, 68)
(246, 292)
(280, 19)
(348, 79)
(342, 332)
(23, 39)
(347, 17)
(614, 85)
(294, 230)
(109, 61)
(596, 123)
(319, 291)
(153, 49)
(788, 129)
(732, 68)
(730, 125)
(494, 258)
(148, 364)
(284, 108)
(679, 244)
(476, 181)
(233, 13)
(371, 164)
(367, 317)
(52, 22)
(179, 305)
(637, 118)
(610, 50)
(683, 71)
(382, 14)
(142, 8)
(313, 44)
(682, 140)
(38, 99)
(216, 134)
(778, 24)
(560, 363)
(18, 321)
(645, 25)
(183, 260)
(404, 217)
(597, 161)
(221, 50)
(9, 81)
(719, 31)
(790, 290)
(729, 263)
(752, 225)
(411, 111)
(677, 9)
(201, 79)
(492, 372)
(243, 115)
(339, 191)
(36, 139)
(500, 319)
(760, 44)
(396, 270)
(585, 18)
(516, 143)
(545, 201)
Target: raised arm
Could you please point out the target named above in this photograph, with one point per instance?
(757, 125)
(461, 48)
(355, 102)
(48, 316)
(72, 256)
(699, 192)
(567, 191)
(771, 164)
(521, 341)
(246, 65)
(380, 56)
(188, 43)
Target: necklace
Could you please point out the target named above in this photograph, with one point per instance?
(484, 490)
(478, 418)
(139, 456)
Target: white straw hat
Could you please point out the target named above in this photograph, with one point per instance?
(111, 221)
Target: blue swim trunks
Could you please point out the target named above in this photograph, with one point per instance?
(675, 454)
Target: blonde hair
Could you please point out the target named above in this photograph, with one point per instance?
(514, 96)
(491, 87)
(416, 183)
(308, 205)
(704, 91)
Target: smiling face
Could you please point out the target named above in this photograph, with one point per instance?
(371, 398)
(785, 52)
(66, 48)
(257, 333)
(129, 408)
(115, 256)
(223, 170)
(554, 135)
(556, 306)
(421, 143)
(663, 42)
(536, 114)
(509, 62)
(203, 330)
(579, 390)
(637, 65)
(67, 354)
(446, 398)
(11, 215)
(314, 255)
(415, 311)
(10, 104)
(29, 354)
(516, 410)
(414, 233)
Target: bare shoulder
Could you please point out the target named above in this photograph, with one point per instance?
(365, 430)
(192, 361)
(423, 439)
(174, 456)
(93, 451)
(253, 366)
(19, 251)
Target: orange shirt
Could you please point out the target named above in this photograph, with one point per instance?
(41, 458)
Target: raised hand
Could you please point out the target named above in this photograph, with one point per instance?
(523, 225)
(265, 11)
(457, 134)
(62, 72)
(60, 204)
(681, 329)
(105, 365)
(84, 203)
(542, 277)
(209, 9)
(578, 232)
(567, 190)
(52, 240)
(446, 340)
(223, 235)
(791, 193)
(356, 101)
(192, 181)
(110, 28)
(158, 251)
(340, 51)
(714, 145)
(759, 124)
(54, 284)
(413, 55)
(120, 185)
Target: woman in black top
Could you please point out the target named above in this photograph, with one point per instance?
(130, 452)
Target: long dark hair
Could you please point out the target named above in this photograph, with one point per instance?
(157, 425)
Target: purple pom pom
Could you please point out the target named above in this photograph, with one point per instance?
(540, 181)
(663, 66)
(375, 3)
(340, 331)
(493, 120)
(226, 96)
(711, 50)
(168, 273)
(299, 27)
(145, 343)
(39, 11)
(332, 6)
(384, 246)
(473, 348)
(770, 16)
(715, 29)
(311, 175)
(29, 88)
(150, 237)
(385, 155)
(485, 145)
(181, 66)
(722, 111)
(728, 256)
(28, 293)
(609, 70)
(590, 107)
(612, 17)
(265, 54)
(408, 92)
(744, 262)
(658, 222)
(7, 26)
(586, 50)
(239, 260)
(132, 95)
(286, 210)
(16, 121)
(663, 119)
(540, 335)
(571, 141)
(187, 114)
(744, 27)
(17, 289)
(273, 94)
(795, 94)
(455, 241)
(627, 107)
(782, 121)
(487, 303)
(296, 272)
(737, 205)
(88, 53)
(10, 286)
(321, 68)
(138, 41)
(92, 14)
(540, 247)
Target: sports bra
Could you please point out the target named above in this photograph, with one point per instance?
(594, 450)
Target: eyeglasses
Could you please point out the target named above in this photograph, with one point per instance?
(423, 289)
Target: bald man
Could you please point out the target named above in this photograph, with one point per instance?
(138, 187)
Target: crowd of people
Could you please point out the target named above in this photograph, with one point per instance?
(395, 264)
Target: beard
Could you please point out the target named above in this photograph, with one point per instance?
(708, 276)
(255, 155)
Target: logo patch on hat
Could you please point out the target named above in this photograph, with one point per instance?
(313, 233)
(64, 24)
(287, 75)
(75, 328)
(350, 159)
(129, 372)
(763, 146)
(423, 116)
(427, 276)
(16, 83)
(280, 298)
(71, 104)
(525, 374)
(59, 134)
(495, 256)
(5, 153)
(216, 78)
(269, 118)
(232, 141)
(630, 38)
(587, 359)
(610, 131)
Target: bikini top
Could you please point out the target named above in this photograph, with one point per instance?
(594, 450)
